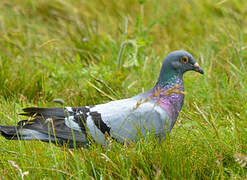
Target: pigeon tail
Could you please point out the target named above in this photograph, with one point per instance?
(20, 133)
(9, 132)
(46, 126)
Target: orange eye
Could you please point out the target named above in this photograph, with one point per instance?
(184, 59)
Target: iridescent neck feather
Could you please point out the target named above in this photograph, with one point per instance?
(169, 95)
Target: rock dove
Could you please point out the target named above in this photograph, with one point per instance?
(154, 111)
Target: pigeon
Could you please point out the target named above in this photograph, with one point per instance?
(154, 111)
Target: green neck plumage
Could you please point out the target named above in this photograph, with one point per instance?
(169, 76)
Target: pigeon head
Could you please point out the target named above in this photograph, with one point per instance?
(176, 64)
(181, 61)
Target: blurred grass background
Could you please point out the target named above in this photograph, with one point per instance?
(71, 49)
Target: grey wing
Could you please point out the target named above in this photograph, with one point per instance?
(125, 119)
(122, 120)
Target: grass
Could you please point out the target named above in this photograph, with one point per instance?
(74, 50)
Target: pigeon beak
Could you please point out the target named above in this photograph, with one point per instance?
(197, 68)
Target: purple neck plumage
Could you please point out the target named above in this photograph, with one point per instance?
(169, 96)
